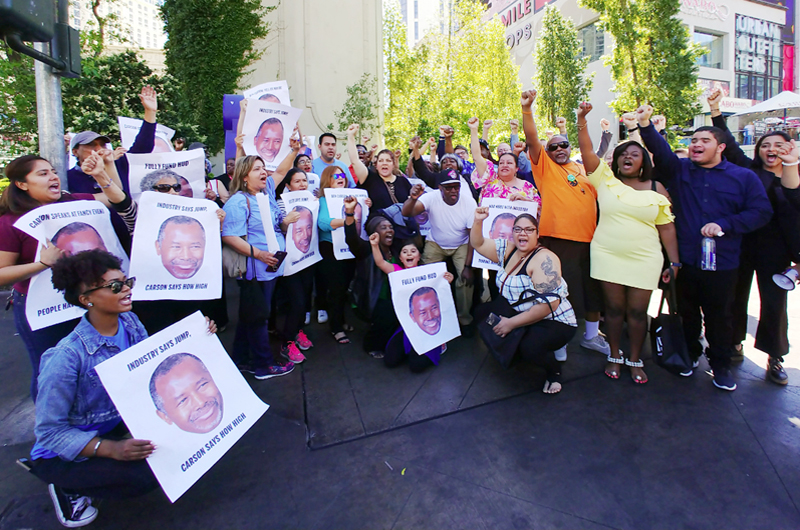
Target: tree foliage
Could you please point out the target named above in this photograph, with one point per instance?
(104, 28)
(653, 59)
(210, 46)
(560, 81)
(110, 86)
(448, 78)
(18, 125)
(361, 106)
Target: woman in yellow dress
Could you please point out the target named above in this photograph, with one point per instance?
(635, 220)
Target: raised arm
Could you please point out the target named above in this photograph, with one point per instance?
(448, 139)
(420, 168)
(146, 137)
(529, 126)
(733, 153)
(411, 207)
(588, 156)
(632, 126)
(475, 147)
(666, 164)
(487, 125)
(605, 138)
(485, 247)
(288, 162)
(359, 168)
(239, 128)
(561, 124)
(377, 255)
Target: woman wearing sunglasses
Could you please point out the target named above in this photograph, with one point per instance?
(81, 450)
(635, 220)
(531, 274)
(34, 183)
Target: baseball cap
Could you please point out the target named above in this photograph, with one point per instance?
(197, 145)
(451, 177)
(87, 137)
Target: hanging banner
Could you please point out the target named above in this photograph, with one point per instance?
(500, 223)
(302, 236)
(180, 390)
(423, 303)
(335, 198)
(129, 128)
(185, 169)
(74, 227)
(177, 252)
(267, 128)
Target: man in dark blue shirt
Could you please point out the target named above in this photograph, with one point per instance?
(86, 142)
(711, 198)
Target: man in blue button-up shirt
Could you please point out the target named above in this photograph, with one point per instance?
(711, 196)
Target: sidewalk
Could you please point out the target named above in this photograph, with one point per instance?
(348, 443)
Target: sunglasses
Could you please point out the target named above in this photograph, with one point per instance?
(563, 145)
(164, 188)
(339, 176)
(528, 229)
(115, 285)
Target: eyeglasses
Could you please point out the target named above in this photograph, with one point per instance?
(528, 229)
(115, 285)
(563, 145)
(164, 188)
(339, 176)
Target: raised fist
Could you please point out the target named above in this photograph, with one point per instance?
(472, 123)
(605, 124)
(352, 130)
(527, 97)
(583, 109)
(643, 114)
(714, 97)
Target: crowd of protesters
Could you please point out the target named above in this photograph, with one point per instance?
(610, 226)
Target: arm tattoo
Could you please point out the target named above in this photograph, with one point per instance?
(553, 280)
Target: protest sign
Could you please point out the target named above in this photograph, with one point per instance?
(499, 224)
(129, 128)
(274, 92)
(186, 168)
(335, 200)
(313, 183)
(302, 245)
(423, 219)
(267, 128)
(74, 227)
(265, 208)
(423, 303)
(177, 253)
(180, 390)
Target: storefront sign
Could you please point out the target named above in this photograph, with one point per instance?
(757, 41)
(705, 9)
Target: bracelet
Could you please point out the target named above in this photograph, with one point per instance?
(96, 447)
(349, 214)
(107, 185)
(676, 264)
(45, 264)
(527, 112)
(796, 162)
(631, 131)
(581, 127)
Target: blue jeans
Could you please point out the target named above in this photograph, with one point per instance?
(251, 343)
(39, 341)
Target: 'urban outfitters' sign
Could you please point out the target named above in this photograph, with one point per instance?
(757, 43)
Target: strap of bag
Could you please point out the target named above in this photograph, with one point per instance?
(672, 296)
(390, 189)
(252, 252)
(519, 266)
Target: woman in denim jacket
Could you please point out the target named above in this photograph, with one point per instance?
(80, 450)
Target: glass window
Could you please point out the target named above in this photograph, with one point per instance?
(592, 42)
(713, 45)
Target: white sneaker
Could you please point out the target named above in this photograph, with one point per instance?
(308, 319)
(322, 316)
(598, 344)
(73, 511)
(561, 354)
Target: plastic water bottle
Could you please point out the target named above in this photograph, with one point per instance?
(709, 259)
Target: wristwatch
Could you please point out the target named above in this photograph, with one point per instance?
(675, 264)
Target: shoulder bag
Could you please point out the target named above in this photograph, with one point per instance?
(234, 265)
(666, 334)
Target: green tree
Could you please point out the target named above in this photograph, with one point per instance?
(653, 59)
(18, 126)
(560, 81)
(102, 29)
(360, 107)
(210, 47)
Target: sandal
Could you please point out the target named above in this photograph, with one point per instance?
(341, 337)
(551, 387)
(348, 328)
(637, 364)
(614, 374)
(376, 354)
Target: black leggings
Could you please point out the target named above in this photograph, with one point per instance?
(297, 288)
(338, 274)
(541, 340)
(102, 478)
(383, 325)
(393, 357)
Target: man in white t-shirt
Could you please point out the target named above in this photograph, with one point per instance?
(327, 152)
(451, 214)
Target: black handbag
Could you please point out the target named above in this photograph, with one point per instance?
(252, 304)
(666, 334)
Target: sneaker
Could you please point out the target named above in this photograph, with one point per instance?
(724, 379)
(290, 351)
(308, 319)
(275, 370)
(73, 511)
(776, 373)
(598, 344)
(302, 341)
(561, 354)
(690, 371)
(322, 316)
(246, 368)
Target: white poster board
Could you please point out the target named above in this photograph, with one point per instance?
(177, 252)
(499, 224)
(335, 199)
(187, 168)
(302, 236)
(74, 227)
(267, 128)
(275, 92)
(423, 303)
(129, 128)
(265, 209)
(180, 390)
(423, 219)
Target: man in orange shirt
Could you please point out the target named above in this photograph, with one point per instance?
(568, 221)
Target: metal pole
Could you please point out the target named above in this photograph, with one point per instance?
(49, 115)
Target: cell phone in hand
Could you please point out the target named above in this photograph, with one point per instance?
(280, 256)
(492, 319)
